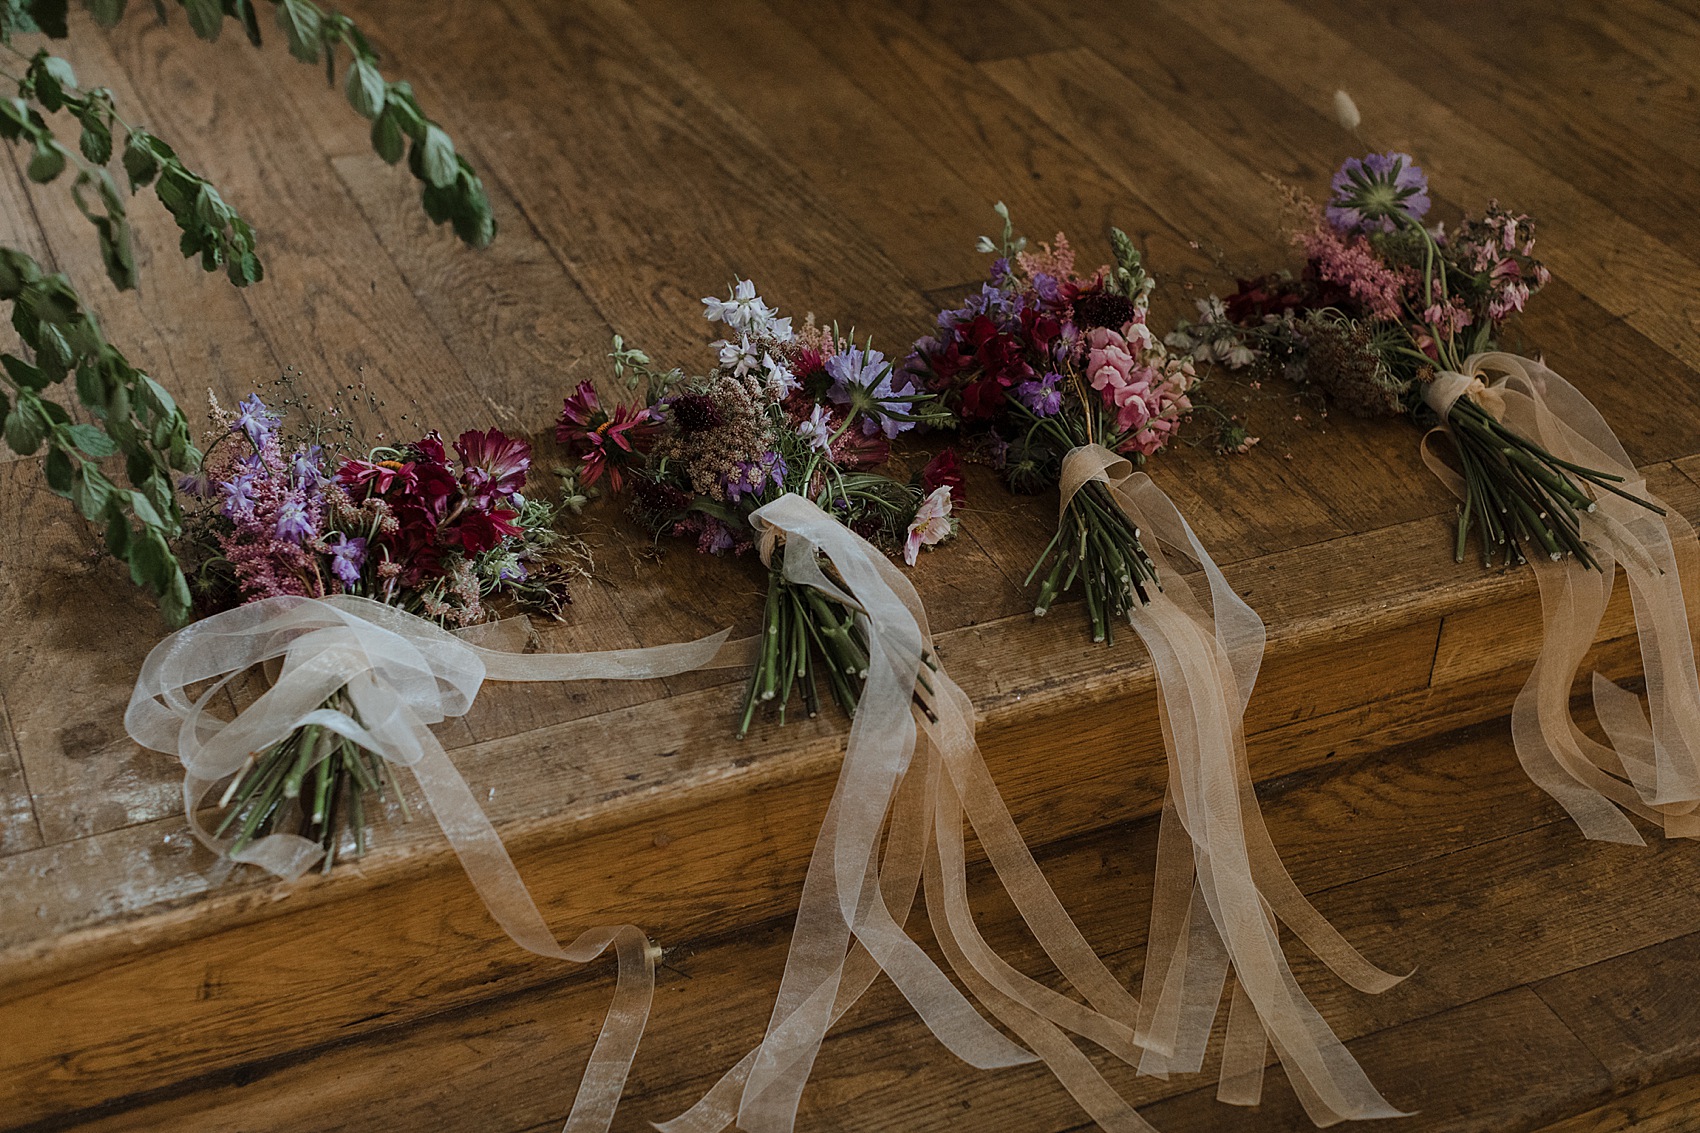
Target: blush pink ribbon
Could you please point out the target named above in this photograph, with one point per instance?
(1652, 766)
(402, 674)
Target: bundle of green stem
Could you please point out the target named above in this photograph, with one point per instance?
(314, 780)
(805, 636)
(1521, 498)
(1098, 546)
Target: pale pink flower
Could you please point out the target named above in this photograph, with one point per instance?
(931, 525)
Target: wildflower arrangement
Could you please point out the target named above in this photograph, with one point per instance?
(1383, 305)
(1043, 361)
(784, 410)
(441, 535)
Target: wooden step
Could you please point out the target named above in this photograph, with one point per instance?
(1550, 977)
(650, 813)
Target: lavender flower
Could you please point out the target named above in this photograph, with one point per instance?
(1376, 192)
(238, 492)
(862, 379)
(304, 473)
(293, 522)
(255, 419)
(348, 556)
(749, 477)
(196, 483)
(1041, 396)
(816, 430)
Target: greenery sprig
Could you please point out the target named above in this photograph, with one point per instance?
(134, 416)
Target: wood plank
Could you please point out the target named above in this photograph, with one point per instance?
(1632, 1011)
(1668, 1107)
(1502, 1062)
(1422, 804)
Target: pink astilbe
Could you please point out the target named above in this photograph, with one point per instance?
(1350, 262)
(1055, 260)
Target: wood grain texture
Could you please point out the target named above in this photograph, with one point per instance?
(639, 155)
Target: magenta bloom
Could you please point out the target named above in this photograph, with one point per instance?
(493, 465)
(604, 442)
(1376, 192)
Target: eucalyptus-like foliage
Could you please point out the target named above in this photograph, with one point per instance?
(132, 415)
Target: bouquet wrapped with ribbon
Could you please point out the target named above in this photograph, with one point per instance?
(279, 511)
(1054, 374)
(1393, 316)
(1060, 380)
(804, 411)
(361, 587)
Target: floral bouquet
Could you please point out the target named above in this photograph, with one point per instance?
(1386, 304)
(275, 513)
(1045, 362)
(804, 411)
(1391, 315)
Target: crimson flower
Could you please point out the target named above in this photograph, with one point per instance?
(479, 531)
(493, 465)
(365, 478)
(943, 470)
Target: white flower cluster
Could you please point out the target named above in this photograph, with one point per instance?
(758, 330)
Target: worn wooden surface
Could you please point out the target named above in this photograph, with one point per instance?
(640, 153)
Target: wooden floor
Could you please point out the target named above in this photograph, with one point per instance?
(640, 153)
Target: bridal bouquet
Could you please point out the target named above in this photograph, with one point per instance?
(1392, 315)
(276, 512)
(1384, 305)
(784, 411)
(1044, 362)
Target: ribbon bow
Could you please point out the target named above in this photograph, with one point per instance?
(402, 674)
(1652, 767)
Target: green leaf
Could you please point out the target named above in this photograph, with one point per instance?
(250, 20)
(96, 140)
(25, 428)
(91, 493)
(117, 532)
(144, 509)
(106, 13)
(387, 139)
(60, 70)
(300, 24)
(47, 162)
(437, 157)
(91, 440)
(49, 16)
(206, 17)
(59, 471)
(365, 89)
(141, 162)
(21, 372)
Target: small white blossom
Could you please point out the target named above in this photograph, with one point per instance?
(816, 430)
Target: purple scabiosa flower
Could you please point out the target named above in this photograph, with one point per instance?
(238, 493)
(255, 419)
(348, 557)
(862, 380)
(1375, 192)
(293, 522)
(1042, 395)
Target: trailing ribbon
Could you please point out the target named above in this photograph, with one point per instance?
(856, 900)
(402, 674)
(1215, 908)
(1652, 767)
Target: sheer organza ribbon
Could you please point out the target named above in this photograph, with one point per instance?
(1218, 899)
(1652, 767)
(401, 674)
(911, 768)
